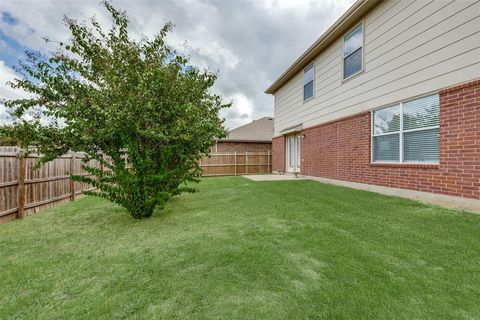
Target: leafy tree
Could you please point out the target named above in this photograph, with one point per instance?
(7, 136)
(110, 96)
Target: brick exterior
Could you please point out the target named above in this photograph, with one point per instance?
(341, 150)
(278, 154)
(241, 147)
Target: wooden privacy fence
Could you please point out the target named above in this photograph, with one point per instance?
(25, 190)
(236, 163)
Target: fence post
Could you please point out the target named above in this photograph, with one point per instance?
(72, 172)
(21, 187)
(246, 162)
(268, 162)
(101, 165)
(235, 163)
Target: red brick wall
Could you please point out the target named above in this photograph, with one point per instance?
(460, 139)
(341, 150)
(278, 154)
(241, 147)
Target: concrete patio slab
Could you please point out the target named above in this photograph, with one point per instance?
(472, 205)
(273, 177)
(467, 204)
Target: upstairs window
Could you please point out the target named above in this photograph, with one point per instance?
(407, 132)
(353, 52)
(308, 75)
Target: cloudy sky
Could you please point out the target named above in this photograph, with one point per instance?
(250, 43)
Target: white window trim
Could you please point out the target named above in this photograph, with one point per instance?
(313, 82)
(363, 52)
(401, 133)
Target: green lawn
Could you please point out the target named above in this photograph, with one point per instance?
(245, 250)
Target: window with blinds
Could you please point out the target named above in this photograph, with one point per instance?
(353, 52)
(407, 132)
(308, 76)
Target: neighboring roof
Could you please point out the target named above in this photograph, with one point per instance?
(347, 20)
(260, 130)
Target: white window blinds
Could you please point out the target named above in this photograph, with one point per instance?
(353, 52)
(308, 76)
(408, 132)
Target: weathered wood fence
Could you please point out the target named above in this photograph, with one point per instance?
(25, 190)
(236, 163)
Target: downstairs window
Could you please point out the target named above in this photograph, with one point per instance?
(407, 132)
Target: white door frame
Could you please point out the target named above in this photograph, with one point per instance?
(292, 153)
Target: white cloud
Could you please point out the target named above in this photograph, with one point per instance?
(249, 42)
(203, 44)
(8, 93)
(242, 104)
(241, 111)
(301, 5)
(6, 74)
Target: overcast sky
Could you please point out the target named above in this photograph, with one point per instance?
(250, 43)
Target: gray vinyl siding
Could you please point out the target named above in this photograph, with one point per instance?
(411, 48)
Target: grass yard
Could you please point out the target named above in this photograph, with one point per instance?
(245, 250)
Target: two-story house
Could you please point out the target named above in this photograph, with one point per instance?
(389, 95)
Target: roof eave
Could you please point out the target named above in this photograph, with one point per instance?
(349, 18)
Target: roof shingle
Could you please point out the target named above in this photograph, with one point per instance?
(260, 130)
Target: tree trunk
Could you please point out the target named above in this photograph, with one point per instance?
(141, 210)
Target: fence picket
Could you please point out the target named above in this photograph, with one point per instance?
(72, 172)
(21, 188)
(24, 191)
(243, 163)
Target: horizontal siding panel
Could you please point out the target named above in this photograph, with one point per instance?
(329, 59)
(386, 11)
(295, 84)
(325, 74)
(419, 48)
(335, 77)
(408, 16)
(375, 79)
(292, 92)
(325, 81)
(446, 19)
(396, 95)
(458, 65)
(414, 49)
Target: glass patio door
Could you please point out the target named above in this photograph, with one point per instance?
(293, 153)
